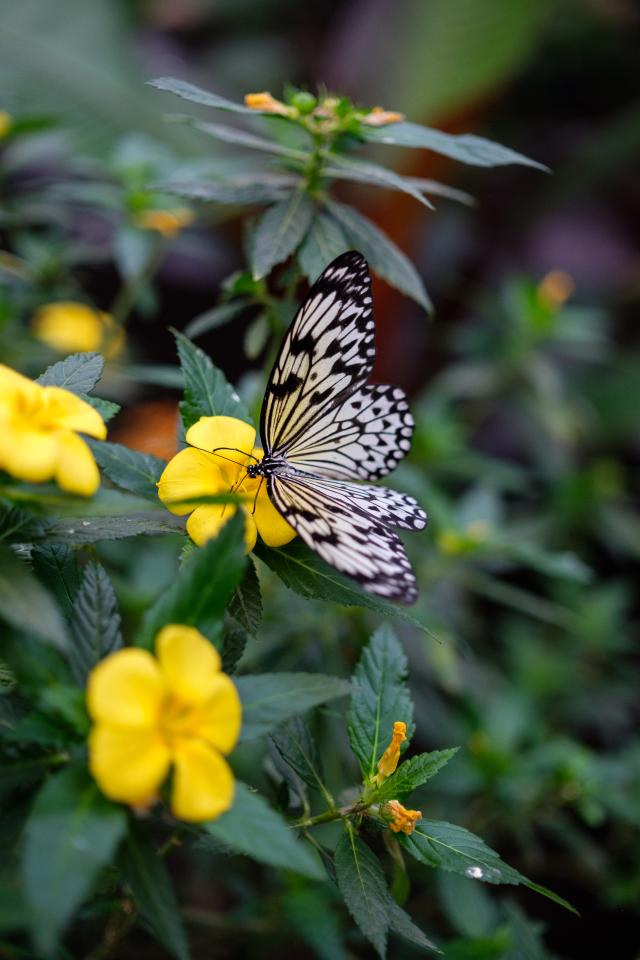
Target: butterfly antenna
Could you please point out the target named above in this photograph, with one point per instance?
(228, 459)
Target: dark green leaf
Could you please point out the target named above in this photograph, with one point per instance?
(95, 626)
(105, 408)
(413, 773)
(297, 747)
(216, 317)
(26, 605)
(245, 605)
(465, 147)
(251, 827)
(309, 912)
(250, 140)
(146, 875)
(78, 373)
(364, 889)
(324, 242)
(200, 592)
(256, 336)
(19, 526)
(387, 260)
(279, 231)
(57, 568)
(80, 530)
(231, 190)
(450, 847)
(207, 393)
(234, 642)
(188, 91)
(380, 698)
(402, 924)
(129, 469)
(71, 834)
(361, 171)
(305, 572)
(271, 698)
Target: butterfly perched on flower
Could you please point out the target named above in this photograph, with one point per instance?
(325, 430)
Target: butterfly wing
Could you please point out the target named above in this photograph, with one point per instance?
(348, 525)
(328, 350)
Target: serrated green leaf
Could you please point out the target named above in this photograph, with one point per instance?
(216, 317)
(80, 530)
(362, 171)
(245, 605)
(450, 847)
(26, 605)
(380, 698)
(78, 373)
(252, 828)
(207, 392)
(244, 139)
(56, 567)
(189, 91)
(413, 773)
(234, 643)
(305, 572)
(200, 592)
(20, 526)
(71, 834)
(271, 698)
(466, 147)
(133, 471)
(401, 923)
(106, 408)
(324, 241)
(95, 622)
(383, 256)
(279, 231)
(363, 886)
(296, 746)
(146, 875)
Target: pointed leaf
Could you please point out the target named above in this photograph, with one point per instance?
(271, 698)
(323, 243)
(80, 531)
(279, 231)
(189, 91)
(26, 605)
(216, 317)
(413, 773)
(297, 747)
(95, 626)
(207, 392)
(361, 171)
(133, 471)
(78, 373)
(231, 191)
(250, 140)
(363, 886)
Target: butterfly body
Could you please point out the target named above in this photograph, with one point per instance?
(326, 430)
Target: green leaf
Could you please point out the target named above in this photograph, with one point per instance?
(146, 875)
(71, 834)
(207, 393)
(363, 886)
(129, 469)
(279, 231)
(245, 605)
(26, 605)
(250, 140)
(297, 747)
(216, 317)
(105, 408)
(450, 847)
(251, 827)
(20, 526)
(324, 242)
(231, 191)
(200, 592)
(256, 336)
(271, 698)
(57, 568)
(413, 773)
(78, 373)
(80, 530)
(380, 698)
(362, 171)
(95, 625)
(234, 643)
(303, 571)
(188, 91)
(309, 912)
(466, 147)
(402, 924)
(387, 260)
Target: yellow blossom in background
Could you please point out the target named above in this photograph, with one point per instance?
(389, 760)
(555, 288)
(197, 472)
(166, 222)
(39, 439)
(265, 103)
(175, 710)
(379, 117)
(69, 327)
(5, 123)
(404, 821)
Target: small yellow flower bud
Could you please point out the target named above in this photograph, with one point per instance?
(389, 760)
(379, 117)
(5, 123)
(555, 288)
(267, 104)
(166, 222)
(404, 821)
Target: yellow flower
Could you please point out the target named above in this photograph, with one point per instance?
(166, 222)
(403, 820)
(150, 714)
(5, 123)
(268, 104)
(198, 472)
(389, 760)
(555, 288)
(68, 326)
(39, 429)
(379, 117)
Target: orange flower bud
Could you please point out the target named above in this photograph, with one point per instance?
(404, 821)
(389, 759)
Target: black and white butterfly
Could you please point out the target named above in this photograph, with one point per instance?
(325, 430)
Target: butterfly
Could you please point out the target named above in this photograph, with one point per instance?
(327, 433)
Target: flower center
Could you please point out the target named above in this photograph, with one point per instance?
(177, 720)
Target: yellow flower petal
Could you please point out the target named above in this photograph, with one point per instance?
(28, 454)
(191, 473)
(69, 326)
(76, 471)
(128, 763)
(272, 527)
(189, 663)
(233, 436)
(5, 123)
(220, 718)
(126, 689)
(207, 521)
(12, 382)
(65, 409)
(203, 784)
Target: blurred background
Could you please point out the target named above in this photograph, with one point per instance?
(525, 385)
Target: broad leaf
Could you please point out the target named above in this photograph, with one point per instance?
(271, 698)
(363, 886)
(207, 392)
(383, 256)
(200, 592)
(243, 139)
(413, 773)
(450, 847)
(106, 408)
(82, 530)
(57, 568)
(129, 469)
(95, 626)
(231, 190)
(78, 373)
(251, 827)
(324, 242)
(245, 605)
(146, 875)
(26, 605)
(466, 147)
(362, 171)
(215, 317)
(380, 698)
(71, 834)
(20, 526)
(234, 643)
(189, 91)
(279, 232)
(297, 747)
